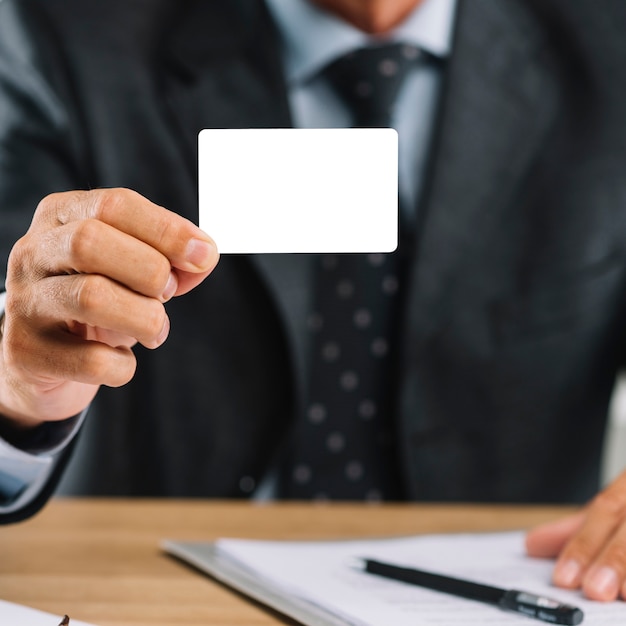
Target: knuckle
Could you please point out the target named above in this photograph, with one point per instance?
(156, 274)
(47, 205)
(168, 230)
(164, 230)
(58, 208)
(82, 241)
(91, 293)
(616, 556)
(125, 370)
(94, 365)
(105, 365)
(107, 204)
(582, 549)
(20, 258)
(154, 318)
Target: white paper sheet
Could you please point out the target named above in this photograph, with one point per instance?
(319, 574)
(18, 615)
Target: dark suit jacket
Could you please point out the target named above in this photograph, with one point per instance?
(514, 326)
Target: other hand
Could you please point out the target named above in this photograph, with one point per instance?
(590, 546)
(88, 281)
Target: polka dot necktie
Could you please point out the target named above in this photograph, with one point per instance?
(343, 445)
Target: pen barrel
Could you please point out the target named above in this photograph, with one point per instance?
(437, 582)
(539, 607)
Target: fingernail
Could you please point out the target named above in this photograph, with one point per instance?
(170, 288)
(200, 253)
(604, 583)
(566, 574)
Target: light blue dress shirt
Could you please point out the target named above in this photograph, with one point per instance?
(313, 38)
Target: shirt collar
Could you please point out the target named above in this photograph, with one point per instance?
(313, 37)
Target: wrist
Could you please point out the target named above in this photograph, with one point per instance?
(15, 414)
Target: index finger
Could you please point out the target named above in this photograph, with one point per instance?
(548, 540)
(186, 246)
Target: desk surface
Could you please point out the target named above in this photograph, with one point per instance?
(99, 560)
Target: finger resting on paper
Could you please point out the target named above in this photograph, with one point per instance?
(604, 579)
(604, 516)
(547, 540)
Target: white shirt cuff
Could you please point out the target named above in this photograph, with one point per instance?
(23, 474)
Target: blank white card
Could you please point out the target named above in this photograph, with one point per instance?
(299, 190)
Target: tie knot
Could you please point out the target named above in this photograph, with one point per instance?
(369, 79)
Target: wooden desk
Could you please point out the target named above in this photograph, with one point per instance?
(99, 560)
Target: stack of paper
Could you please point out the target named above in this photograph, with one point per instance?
(317, 583)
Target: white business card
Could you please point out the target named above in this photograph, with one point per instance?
(299, 190)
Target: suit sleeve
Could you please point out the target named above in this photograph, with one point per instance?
(28, 477)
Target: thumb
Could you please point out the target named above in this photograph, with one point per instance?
(547, 540)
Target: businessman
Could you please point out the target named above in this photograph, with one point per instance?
(508, 286)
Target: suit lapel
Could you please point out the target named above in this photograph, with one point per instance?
(498, 103)
(228, 75)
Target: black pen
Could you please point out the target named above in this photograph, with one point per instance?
(520, 602)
